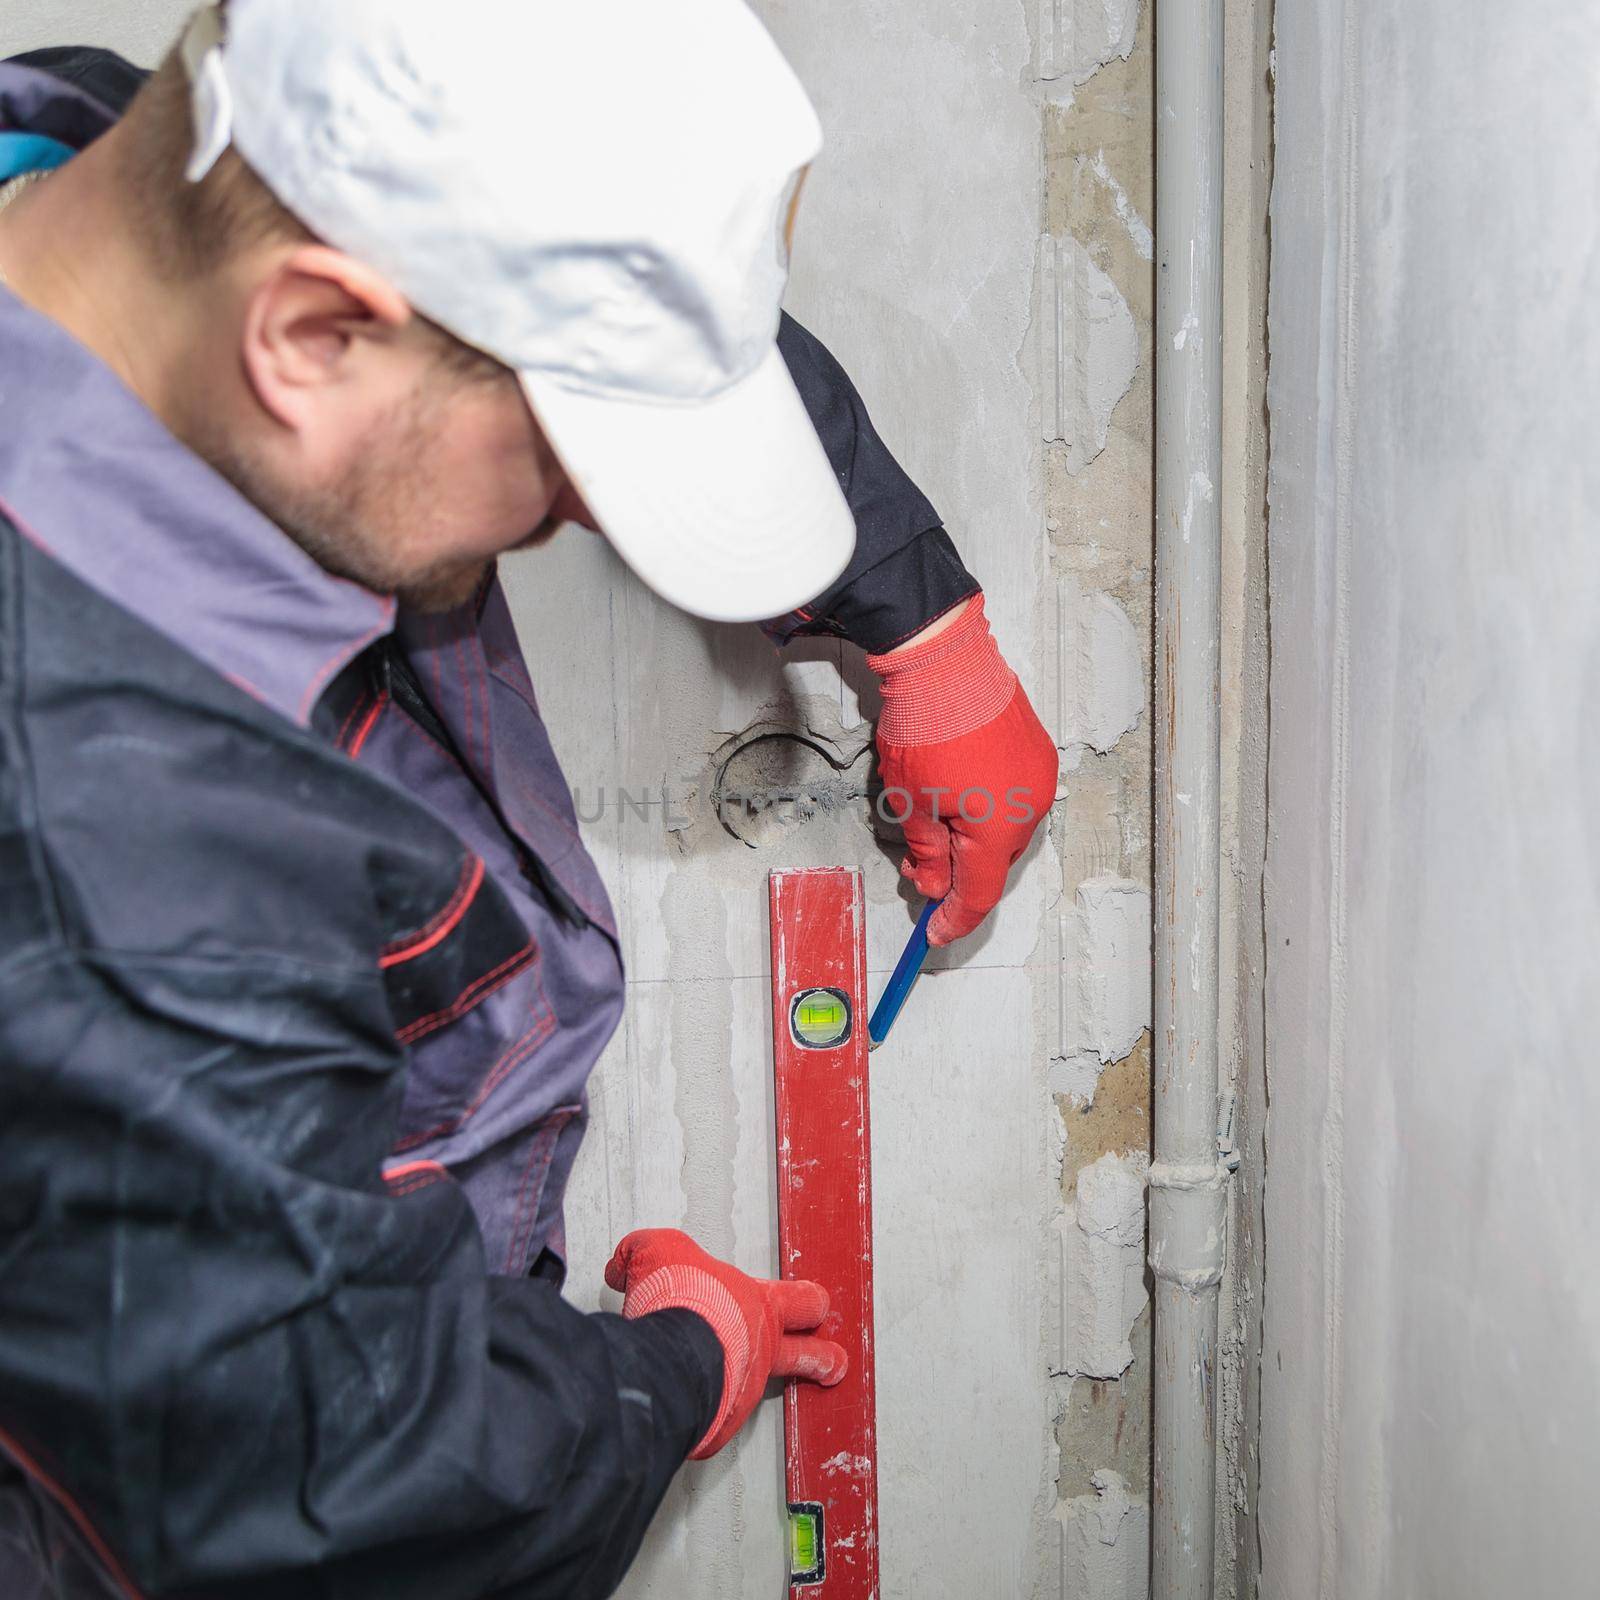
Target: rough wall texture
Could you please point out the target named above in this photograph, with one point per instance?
(975, 245)
(915, 260)
(1096, 329)
(1431, 1371)
(977, 323)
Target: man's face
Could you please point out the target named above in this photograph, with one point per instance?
(451, 478)
(382, 458)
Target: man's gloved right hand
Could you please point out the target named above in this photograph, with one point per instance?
(972, 770)
(758, 1321)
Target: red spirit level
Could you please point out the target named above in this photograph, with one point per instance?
(819, 1052)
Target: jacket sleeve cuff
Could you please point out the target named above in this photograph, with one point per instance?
(685, 1362)
(905, 571)
(887, 603)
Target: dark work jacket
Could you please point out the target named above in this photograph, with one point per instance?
(302, 968)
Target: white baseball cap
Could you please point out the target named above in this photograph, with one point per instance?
(595, 192)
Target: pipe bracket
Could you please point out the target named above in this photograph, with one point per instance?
(1188, 1204)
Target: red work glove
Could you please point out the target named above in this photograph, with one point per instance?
(968, 771)
(755, 1319)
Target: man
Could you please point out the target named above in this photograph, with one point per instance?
(302, 963)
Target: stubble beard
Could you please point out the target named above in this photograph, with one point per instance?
(356, 528)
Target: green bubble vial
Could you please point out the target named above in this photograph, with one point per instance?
(820, 1018)
(805, 1543)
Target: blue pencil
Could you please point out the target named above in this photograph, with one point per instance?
(901, 979)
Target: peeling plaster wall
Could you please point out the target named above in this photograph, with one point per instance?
(1004, 349)
(1095, 329)
(975, 245)
(1105, 1541)
(1431, 1361)
(1103, 1267)
(1105, 983)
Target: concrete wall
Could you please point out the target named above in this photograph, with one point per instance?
(974, 244)
(915, 260)
(1009, 371)
(1096, 333)
(1430, 1405)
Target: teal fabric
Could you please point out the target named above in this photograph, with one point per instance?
(30, 152)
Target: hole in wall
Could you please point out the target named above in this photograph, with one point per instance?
(772, 781)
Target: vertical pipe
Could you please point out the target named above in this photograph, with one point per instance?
(1186, 1179)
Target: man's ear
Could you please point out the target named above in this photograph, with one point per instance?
(306, 320)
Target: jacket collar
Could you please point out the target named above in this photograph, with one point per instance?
(92, 477)
(89, 474)
(34, 100)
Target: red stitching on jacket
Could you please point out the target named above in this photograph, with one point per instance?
(344, 727)
(513, 1056)
(22, 527)
(366, 727)
(413, 1175)
(434, 645)
(74, 1512)
(466, 701)
(408, 724)
(245, 686)
(506, 668)
(587, 906)
(401, 1190)
(33, 537)
(480, 676)
(472, 665)
(345, 654)
(546, 1136)
(517, 1243)
(442, 923)
(467, 999)
(409, 1169)
(555, 816)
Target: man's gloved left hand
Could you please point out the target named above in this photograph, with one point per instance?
(968, 771)
(761, 1324)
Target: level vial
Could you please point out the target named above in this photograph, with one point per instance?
(820, 1018)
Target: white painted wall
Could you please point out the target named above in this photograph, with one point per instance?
(139, 29)
(1430, 1408)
